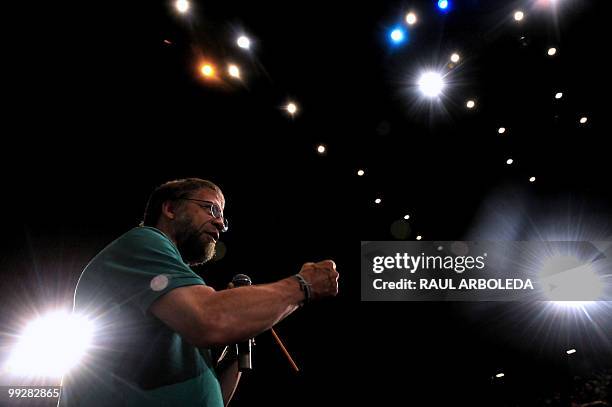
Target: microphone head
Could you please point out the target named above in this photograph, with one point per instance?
(240, 280)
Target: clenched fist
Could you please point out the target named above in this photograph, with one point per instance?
(322, 277)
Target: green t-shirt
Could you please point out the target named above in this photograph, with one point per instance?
(137, 360)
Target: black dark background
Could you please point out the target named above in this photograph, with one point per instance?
(99, 110)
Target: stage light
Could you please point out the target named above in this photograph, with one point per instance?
(234, 71)
(243, 42)
(321, 149)
(499, 375)
(431, 84)
(501, 130)
(455, 58)
(291, 108)
(583, 120)
(552, 51)
(51, 345)
(559, 95)
(570, 351)
(419, 237)
(509, 161)
(411, 18)
(532, 179)
(397, 35)
(181, 6)
(377, 200)
(470, 104)
(444, 5)
(406, 217)
(207, 70)
(360, 173)
(518, 16)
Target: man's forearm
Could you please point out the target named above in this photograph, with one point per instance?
(244, 312)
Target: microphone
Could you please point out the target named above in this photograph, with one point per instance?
(243, 348)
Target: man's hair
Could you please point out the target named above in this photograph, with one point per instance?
(179, 188)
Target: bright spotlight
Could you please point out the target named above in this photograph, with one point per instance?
(470, 104)
(406, 217)
(411, 18)
(234, 71)
(455, 58)
(419, 237)
(444, 5)
(377, 200)
(570, 351)
(509, 161)
(583, 120)
(552, 51)
(532, 179)
(431, 84)
(51, 345)
(499, 375)
(501, 130)
(397, 35)
(181, 6)
(360, 173)
(207, 70)
(321, 149)
(243, 42)
(291, 108)
(518, 16)
(559, 95)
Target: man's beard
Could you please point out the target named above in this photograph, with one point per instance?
(192, 245)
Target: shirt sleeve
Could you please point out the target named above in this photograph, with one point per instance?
(146, 265)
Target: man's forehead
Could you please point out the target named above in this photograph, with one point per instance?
(207, 194)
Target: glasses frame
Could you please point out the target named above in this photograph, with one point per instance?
(212, 207)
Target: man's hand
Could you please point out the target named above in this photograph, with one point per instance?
(322, 277)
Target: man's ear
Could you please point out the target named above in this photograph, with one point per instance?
(168, 209)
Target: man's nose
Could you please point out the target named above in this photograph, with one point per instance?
(218, 222)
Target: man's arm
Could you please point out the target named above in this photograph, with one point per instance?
(206, 317)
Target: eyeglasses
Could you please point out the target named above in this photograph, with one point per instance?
(215, 210)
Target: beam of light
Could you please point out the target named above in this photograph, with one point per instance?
(570, 351)
(431, 84)
(411, 18)
(398, 35)
(243, 42)
(551, 51)
(51, 345)
(182, 6)
(519, 15)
